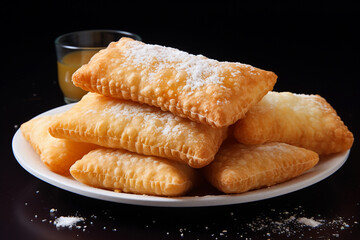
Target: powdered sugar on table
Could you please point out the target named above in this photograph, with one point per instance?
(68, 222)
(308, 222)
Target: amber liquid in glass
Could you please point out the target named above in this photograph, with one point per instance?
(68, 65)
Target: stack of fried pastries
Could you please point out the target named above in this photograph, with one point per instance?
(156, 120)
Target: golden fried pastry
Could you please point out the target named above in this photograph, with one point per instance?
(195, 87)
(239, 168)
(125, 171)
(140, 128)
(306, 121)
(57, 154)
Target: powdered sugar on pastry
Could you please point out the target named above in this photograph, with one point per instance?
(115, 123)
(314, 99)
(192, 86)
(129, 110)
(200, 70)
(306, 121)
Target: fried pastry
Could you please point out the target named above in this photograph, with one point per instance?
(239, 168)
(129, 172)
(191, 86)
(57, 154)
(306, 121)
(116, 123)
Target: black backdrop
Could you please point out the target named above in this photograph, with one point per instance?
(310, 46)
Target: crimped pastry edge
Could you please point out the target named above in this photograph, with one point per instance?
(167, 106)
(224, 187)
(176, 155)
(185, 186)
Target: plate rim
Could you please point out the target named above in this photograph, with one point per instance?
(64, 183)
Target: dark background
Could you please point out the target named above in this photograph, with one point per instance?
(310, 46)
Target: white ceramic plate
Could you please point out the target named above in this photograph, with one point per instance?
(31, 162)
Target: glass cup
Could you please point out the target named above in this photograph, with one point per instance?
(75, 49)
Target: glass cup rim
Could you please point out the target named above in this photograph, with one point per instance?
(57, 40)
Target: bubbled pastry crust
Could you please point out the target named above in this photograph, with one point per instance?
(302, 120)
(192, 86)
(129, 172)
(116, 123)
(239, 168)
(57, 154)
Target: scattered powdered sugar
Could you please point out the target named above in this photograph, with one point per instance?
(68, 222)
(200, 70)
(52, 210)
(166, 130)
(308, 222)
(169, 129)
(314, 100)
(293, 223)
(128, 109)
(297, 224)
(145, 116)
